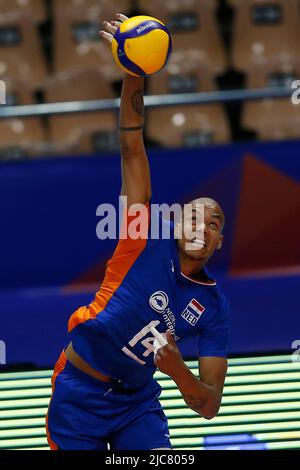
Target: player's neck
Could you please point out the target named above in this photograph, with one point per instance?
(189, 267)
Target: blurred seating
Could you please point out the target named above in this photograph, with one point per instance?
(77, 44)
(21, 137)
(84, 132)
(12, 10)
(196, 39)
(272, 119)
(190, 81)
(22, 58)
(101, 139)
(91, 8)
(186, 125)
(265, 32)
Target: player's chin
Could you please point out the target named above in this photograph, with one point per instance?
(197, 255)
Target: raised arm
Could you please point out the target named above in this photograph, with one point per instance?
(136, 181)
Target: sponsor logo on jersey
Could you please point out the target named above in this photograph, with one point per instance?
(159, 301)
(193, 312)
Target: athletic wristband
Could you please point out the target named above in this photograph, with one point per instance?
(130, 129)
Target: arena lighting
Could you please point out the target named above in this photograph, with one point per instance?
(260, 408)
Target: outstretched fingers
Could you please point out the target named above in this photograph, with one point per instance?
(117, 24)
(121, 17)
(111, 27)
(106, 36)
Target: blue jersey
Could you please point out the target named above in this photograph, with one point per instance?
(143, 288)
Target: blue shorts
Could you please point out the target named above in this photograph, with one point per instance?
(87, 414)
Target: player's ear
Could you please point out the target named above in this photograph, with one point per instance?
(220, 244)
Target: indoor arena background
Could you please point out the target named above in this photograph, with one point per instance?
(57, 168)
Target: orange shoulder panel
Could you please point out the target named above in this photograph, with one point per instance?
(127, 252)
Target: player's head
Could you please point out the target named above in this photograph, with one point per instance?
(210, 229)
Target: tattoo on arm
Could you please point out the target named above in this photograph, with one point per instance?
(137, 101)
(131, 129)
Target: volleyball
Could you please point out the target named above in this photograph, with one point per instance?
(142, 45)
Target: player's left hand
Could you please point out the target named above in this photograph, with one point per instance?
(168, 358)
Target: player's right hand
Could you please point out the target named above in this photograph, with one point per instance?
(111, 27)
(168, 358)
